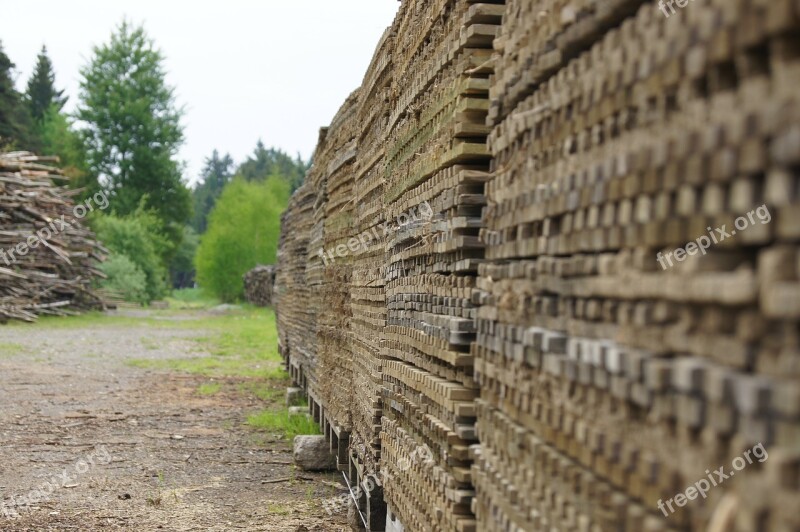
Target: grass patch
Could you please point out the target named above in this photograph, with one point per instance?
(87, 320)
(191, 298)
(278, 509)
(150, 344)
(265, 393)
(239, 344)
(281, 423)
(211, 388)
(10, 350)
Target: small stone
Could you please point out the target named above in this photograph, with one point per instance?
(312, 453)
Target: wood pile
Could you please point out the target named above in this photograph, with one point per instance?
(294, 301)
(620, 133)
(368, 282)
(259, 285)
(336, 164)
(52, 274)
(436, 164)
(520, 347)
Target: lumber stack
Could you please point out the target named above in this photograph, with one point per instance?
(336, 163)
(436, 166)
(52, 275)
(510, 340)
(296, 308)
(618, 382)
(368, 291)
(259, 285)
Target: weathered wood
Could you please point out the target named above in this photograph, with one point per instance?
(48, 258)
(259, 285)
(517, 359)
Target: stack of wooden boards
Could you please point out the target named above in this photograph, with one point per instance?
(435, 167)
(48, 259)
(510, 340)
(259, 285)
(368, 290)
(610, 380)
(294, 297)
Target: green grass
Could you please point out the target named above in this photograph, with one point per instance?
(281, 423)
(150, 344)
(278, 509)
(211, 388)
(87, 320)
(10, 350)
(191, 298)
(265, 393)
(239, 344)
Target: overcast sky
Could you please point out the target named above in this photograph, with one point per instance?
(244, 69)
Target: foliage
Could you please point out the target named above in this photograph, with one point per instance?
(59, 138)
(133, 130)
(216, 173)
(264, 163)
(125, 278)
(42, 94)
(280, 421)
(16, 126)
(181, 268)
(140, 238)
(243, 232)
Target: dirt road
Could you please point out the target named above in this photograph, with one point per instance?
(91, 439)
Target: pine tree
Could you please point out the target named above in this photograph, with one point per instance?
(267, 162)
(16, 128)
(42, 94)
(217, 172)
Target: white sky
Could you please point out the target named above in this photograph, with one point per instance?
(277, 70)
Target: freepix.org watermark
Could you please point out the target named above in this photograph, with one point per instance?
(423, 212)
(715, 478)
(54, 228)
(67, 478)
(668, 6)
(714, 237)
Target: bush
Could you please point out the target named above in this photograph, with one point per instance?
(139, 238)
(181, 268)
(243, 232)
(125, 278)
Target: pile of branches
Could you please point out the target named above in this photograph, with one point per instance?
(48, 258)
(259, 284)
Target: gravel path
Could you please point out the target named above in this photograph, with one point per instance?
(89, 442)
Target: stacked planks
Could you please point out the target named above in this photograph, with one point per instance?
(336, 163)
(436, 164)
(295, 306)
(259, 285)
(368, 290)
(52, 273)
(616, 375)
(508, 338)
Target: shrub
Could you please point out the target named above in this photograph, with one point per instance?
(125, 278)
(139, 238)
(243, 232)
